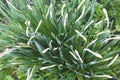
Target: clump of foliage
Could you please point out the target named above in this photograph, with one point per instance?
(50, 41)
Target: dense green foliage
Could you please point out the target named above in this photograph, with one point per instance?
(64, 40)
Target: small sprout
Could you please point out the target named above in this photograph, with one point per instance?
(91, 43)
(29, 7)
(81, 35)
(51, 10)
(83, 11)
(103, 32)
(79, 56)
(103, 76)
(80, 4)
(27, 28)
(88, 24)
(45, 50)
(73, 55)
(27, 23)
(55, 48)
(65, 20)
(113, 38)
(48, 11)
(28, 43)
(47, 67)
(94, 53)
(30, 73)
(106, 14)
(98, 23)
(7, 51)
(62, 12)
(38, 26)
(113, 60)
(8, 2)
(104, 60)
